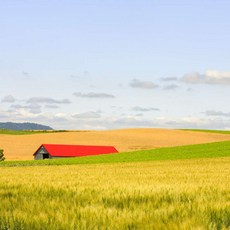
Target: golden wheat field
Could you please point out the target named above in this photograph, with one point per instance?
(181, 194)
(22, 147)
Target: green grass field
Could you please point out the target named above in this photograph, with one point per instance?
(211, 150)
(27, 132)
(171, 188)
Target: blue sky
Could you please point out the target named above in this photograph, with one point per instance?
(110, 64)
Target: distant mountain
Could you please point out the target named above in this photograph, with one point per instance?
(23, 126)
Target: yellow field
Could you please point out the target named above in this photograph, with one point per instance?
(22, 147)
(182, 194)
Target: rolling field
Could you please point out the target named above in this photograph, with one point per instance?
(208, 131)
(182, 187)
(210, 150)
(22, 147)
(179, 194)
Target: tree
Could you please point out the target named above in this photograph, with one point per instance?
(2, 158)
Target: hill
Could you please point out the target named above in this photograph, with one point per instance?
(210, 150)
(23, 126)
(124, 140)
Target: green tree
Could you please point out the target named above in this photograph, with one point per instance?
(2, 158)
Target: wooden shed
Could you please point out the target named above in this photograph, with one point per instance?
(49, 151)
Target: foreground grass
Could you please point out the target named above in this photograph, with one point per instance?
(208, 131)
(218, 149)
(179, 194)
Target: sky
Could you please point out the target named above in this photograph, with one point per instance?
(111, 64)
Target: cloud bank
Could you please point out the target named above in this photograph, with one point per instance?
(31, 108)
(8, 99)
(93, 95)
(87, 115)
(47, 100)
(216, 113)
(142, 109)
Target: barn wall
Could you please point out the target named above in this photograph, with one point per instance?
(39, 154)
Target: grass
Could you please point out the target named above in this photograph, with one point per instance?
(27, 132)
(211, 150)
(208, 131)
(179, 194)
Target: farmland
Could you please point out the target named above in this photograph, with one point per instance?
(179, 194)
(210, 150)
(208, 131)
(21, 145)
(180, 187)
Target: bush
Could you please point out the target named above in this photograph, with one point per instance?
(2, 158)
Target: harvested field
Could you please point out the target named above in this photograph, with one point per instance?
(21, 147)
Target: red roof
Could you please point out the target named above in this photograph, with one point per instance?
(76, 150)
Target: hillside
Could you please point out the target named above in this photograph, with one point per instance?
(124, 140)
(23, 126)
(210, 150)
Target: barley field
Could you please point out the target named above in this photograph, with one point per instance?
(178, 194)
(22, 147)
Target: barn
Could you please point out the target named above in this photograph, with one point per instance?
(49, 151)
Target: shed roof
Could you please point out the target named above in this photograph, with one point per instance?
(57, 150)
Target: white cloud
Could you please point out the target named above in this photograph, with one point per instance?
(209, 77)
(51, 106)
(193, 78)
(8, 99)
(216, 113)
(169, 79)
(87, 115)
(98, 120)
(93, 95)
(142, 109)
(32, 108)
(47, 100)
(171, 87)
(143, 84)
(4, 114)
(216, 77)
